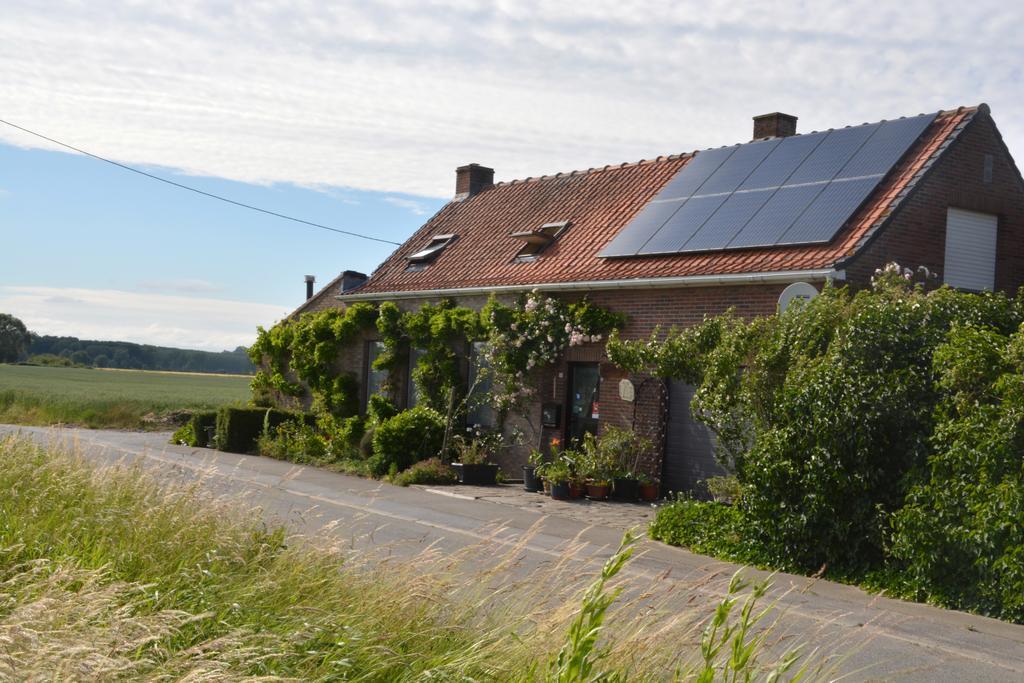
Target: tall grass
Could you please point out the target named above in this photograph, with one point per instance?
(28, 408)
(107, 575)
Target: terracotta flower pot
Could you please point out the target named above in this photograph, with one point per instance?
(598, 490)
(577, 490)
(649, 492)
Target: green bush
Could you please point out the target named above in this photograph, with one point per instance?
(406, 438)
(201, 421)
(826, 413)
(380, 408)
(184, 435)
(703, 527)
(352, 431)
(295, 441)
(429, 471)
(960, 533)
(239, 428)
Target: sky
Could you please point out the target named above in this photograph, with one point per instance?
(355, 115)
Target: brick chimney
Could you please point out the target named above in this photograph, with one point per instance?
(472, 179)
(774, 125)
(309, 286)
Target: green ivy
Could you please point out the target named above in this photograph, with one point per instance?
(442, 331)
(307, 349)
(827, 413)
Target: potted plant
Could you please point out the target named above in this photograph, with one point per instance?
(622, 449)
(648, 489)
(597, 469)
(532, 470)
(557, 473)
(577, 480)
(473, 466)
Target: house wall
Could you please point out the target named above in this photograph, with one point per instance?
(646, 309)
(916, 234)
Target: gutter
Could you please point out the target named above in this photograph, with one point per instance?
(772, 277)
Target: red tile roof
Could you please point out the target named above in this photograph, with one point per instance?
(599, 203)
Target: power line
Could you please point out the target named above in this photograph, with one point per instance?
(196, 189)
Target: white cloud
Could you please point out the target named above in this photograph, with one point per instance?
(411, 205)
(392, 96)
(180, 321)
(181, 286)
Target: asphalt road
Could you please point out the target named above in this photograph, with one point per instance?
(875, 638)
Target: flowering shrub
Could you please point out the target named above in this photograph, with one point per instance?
(536, 334)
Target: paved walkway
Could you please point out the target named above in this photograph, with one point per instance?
(875, 638)
(611, 514)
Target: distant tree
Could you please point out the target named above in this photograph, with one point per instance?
(80, 357)
(101, 361)
(14, 338)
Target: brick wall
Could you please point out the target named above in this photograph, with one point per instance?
(646, 309)
(916, 234)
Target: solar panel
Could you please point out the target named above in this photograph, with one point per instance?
(719, 230)
(642, 228)
(775, 217)
(783, 160)
(737, 167)
(681, 226)
(698, 169)
(831, 155)
(886, 146)
(795, 190)
(829, 210)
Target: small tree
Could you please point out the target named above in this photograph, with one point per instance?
(14, 338)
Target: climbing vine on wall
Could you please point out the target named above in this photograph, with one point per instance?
(441, 332)
(308, 349)
(522, 337)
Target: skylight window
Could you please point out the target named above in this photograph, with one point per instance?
(538, 240)
(420, 259)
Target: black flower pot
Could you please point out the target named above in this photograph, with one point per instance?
(626, 490)
(530, 481)
(476, 475)
(560, 491)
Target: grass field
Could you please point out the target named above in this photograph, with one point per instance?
(111, 575)
(108, 398)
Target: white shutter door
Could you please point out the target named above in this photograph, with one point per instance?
(970, 250)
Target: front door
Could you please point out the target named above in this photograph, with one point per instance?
(583, 408)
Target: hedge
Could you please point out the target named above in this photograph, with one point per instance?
(238, 429)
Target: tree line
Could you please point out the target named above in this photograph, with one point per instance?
(17, 343)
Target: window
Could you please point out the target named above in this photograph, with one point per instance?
(412, 391)
(538, 240)
(374, 378)
(970, 250)
(481, 383)
(420, 259)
